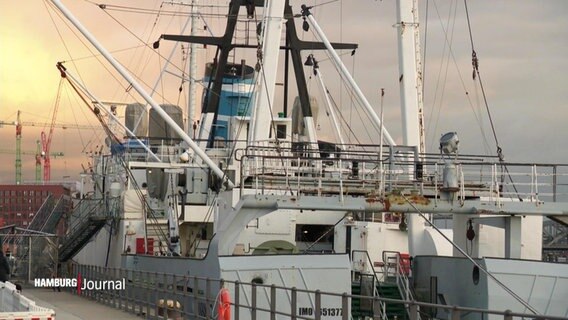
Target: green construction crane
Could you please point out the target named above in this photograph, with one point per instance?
(38, 157)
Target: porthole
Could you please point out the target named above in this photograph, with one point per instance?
(475, 275)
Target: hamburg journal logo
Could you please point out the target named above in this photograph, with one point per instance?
(80, 283)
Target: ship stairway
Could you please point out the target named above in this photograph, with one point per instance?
(391, 291)
(364, 288)
(389, 279)
(87, 219)
(397, 272)
(365, 285)
(54, 217)
(81, 236)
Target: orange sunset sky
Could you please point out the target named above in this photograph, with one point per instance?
(521, 45)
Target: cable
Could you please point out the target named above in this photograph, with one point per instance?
(475, 65)
(490, 275)
(476, 73)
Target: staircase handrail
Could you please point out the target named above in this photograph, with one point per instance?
(383, 305)
(402, 280)
(36, 220)
(57, 207)
(84, 215)
(38, 216)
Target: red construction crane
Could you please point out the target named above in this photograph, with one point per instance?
(46, 139)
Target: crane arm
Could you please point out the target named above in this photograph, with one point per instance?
(46, 139)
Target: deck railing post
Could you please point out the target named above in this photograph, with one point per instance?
(157, 296)
(299, 174)
(166, 306)
(317, 310)
(195, 302)
(344, 306)
(377, 309)
(148, 294)
(110, 295)
(455, 313)
(413, 312)
(185, 295)
(507, 315)
(273, 302)
(294, 304)
(340, 180)
(263, 166)
(237, 300)
(253, 302)
(207, 295)
(121, 293)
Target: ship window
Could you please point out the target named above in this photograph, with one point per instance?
(281, 131)
(314, 232)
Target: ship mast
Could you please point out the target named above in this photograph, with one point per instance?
(192, 70)
(411, 98)
(410, 68)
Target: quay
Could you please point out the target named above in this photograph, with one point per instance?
(68, 306)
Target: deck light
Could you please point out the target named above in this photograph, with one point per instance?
(449, 143)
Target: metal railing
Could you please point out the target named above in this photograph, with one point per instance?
(356, 169)
(395, 266)
(155, 295)
(382, 306)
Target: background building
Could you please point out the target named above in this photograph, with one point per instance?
(19, 204)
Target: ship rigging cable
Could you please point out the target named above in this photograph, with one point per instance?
(96, 56)
(476, 74)
(439, 89)
(489, 274)
(148, 44)
(475, 65)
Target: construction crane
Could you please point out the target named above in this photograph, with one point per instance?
(18, 149)
(45, 124)
(46, 138)
(38, 157)
(19, 125)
